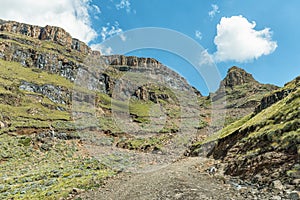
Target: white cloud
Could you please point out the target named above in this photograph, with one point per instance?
(214, 11)
(104, 50)
(110, 30)
(72, 15)
(96, 9)
(198, 34)
(237, 40)
(205, 58)
(124, 4)
(123, 37)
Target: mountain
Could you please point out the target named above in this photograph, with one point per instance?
(72, 118)
(54, 70)
(238, 95)
(61, 103)
(264, 146)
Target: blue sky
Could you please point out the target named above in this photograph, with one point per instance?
(261, 37)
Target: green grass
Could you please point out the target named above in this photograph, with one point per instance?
(42, 46)
(27, 172)
(279, 123)
(15, 73)
(145, 144)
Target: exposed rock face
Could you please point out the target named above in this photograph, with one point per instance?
(238, 95)
(132, 61)
(268, 100)
(265, 143)
(237, 76)
(57, 94)
(49, 33)
(53, 50)
(146, 93)
(72, 61)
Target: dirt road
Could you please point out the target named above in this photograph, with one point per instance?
(185, 179)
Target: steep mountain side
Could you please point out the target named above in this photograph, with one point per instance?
(60, 102)
(265, 145)
(52, 50)
(238, 95)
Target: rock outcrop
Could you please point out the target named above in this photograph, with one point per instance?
(274, 97)
(237, 76)
(265, 143)
(238, 95)
(24, 43)
(85, 72)
(48, 33)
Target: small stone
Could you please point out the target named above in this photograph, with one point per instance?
(294, 195)
(178, 195)
(276, 198)
(296, 182)
(278, 185)
(2, 125)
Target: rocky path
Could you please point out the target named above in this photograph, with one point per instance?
(185, 179)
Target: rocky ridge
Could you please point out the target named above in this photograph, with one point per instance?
(48, 33)
(262, 147)
(238, 95)
(58, 97)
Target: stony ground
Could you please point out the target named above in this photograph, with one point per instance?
(189, 178)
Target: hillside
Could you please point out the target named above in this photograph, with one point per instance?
(263, 146)
(72, 120)
(238, 95)
(61, 103)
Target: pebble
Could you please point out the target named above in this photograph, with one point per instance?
(276, 198)
(295, 195)
(296, 181)
(178, 195)
(277, 185)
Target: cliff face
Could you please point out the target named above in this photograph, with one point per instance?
(238, 95)
(276, 96)
(48, 33)
(53, 50)
(23, 43)
(264, 146)
(237, 76)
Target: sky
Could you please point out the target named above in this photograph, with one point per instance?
(261, 37)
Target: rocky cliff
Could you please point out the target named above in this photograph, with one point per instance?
(55, 73)
(63, 105)
(264, 146)
(237, 76)
(58, 97)
(47, 33)
(238, 95)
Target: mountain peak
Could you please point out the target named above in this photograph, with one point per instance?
(237, 76)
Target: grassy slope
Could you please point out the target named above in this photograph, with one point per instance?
(28, 172)
(34, 167)
(42, 167)
(274, 129)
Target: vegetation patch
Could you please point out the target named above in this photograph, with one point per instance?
(29, 170)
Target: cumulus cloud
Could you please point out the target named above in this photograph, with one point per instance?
(205, 58)
(198, 34)
(124, 4)
(237, 40)
(72, 15)
(214, 11)
(103, 49)
(111, 30)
